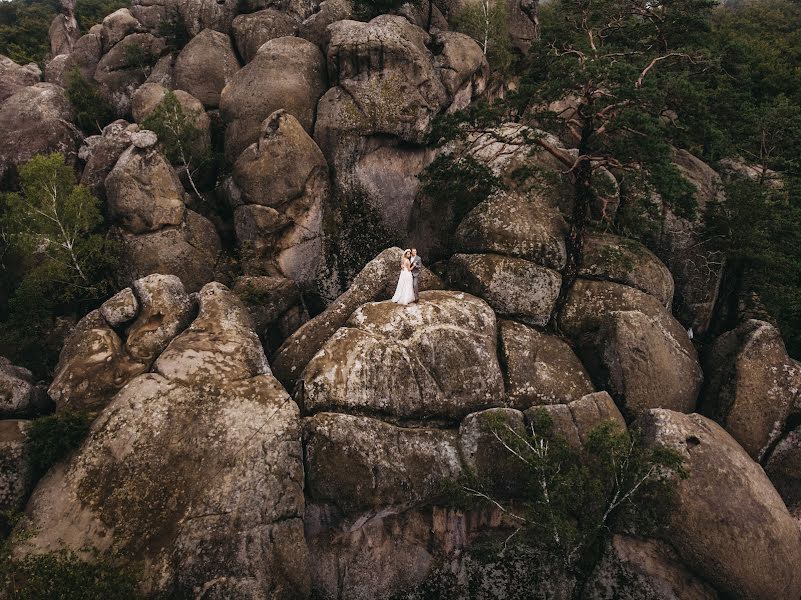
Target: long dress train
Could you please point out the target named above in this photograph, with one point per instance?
(404, 293)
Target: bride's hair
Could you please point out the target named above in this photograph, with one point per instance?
(407, 251)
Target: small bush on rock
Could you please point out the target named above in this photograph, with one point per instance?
(92, 112)
(52, 437)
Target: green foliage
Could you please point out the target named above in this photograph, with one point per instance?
(174, 31)
(60, 258)
(487, 22)
(51, 438)
(91, 111)
(573, 499)
(63, 575)
(141, 58)
(24, 25)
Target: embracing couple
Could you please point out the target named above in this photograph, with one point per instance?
(407, 290)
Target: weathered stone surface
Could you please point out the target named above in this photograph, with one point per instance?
(56, 70)
(539, 368)
(36, 120)
(205, 66)
(144, 193)
(92, 367)
(297, 9)
(200, 15)
(513, 287)
(752, 385)
(285, 172)
(14, 76)
(147, 485)
(220, 343)
(376, 281)
(286, 73)
(14, 470)
(275, 306)
(253, 30)
(86, 54)
(190, 251)
(19, 394)
(575, 420)
(463, 67)
(783, 466)
(63, 33)
(632, 347)
(359, 464)
(315, 27)
(515, 225)
(101, 153)
(165, 310)
(609, 257)
(640, 569)
(751, 547)
(116, 26)
(144, 139)
(120, 71)
(435, 358)
(120, 308)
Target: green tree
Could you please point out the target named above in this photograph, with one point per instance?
(91, 111)
(486, 21)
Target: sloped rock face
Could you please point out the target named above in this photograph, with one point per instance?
(753, 385)
(36, 120)
(191, 515)
(375, 282)
(205, 66)
(436, 358)
(752, 546)
(14, 471)
(286, 73)
(284, 185)
(539, 368)
(513, 287)
(96, 362)
(632, 347)
(14, 76)
(253, 30)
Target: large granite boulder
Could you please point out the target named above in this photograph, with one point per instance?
(286, 172)
(15, 476)
(144, 193)
(190, 250)
(19, 394)
(200, 15)
(36, 120)
(252, 31)
(166, 480)
(116, 26)
(575, 421)
(783, 467)
(515, 225)
(632, 347)
(609, 257)
(729, 522)
(376, 281)
(205, 66)
(435, 358)
(752, 385)
(513, 287)
(315, 27)
(101, 152)
(539, 368)
(14, 76)
(286, 73)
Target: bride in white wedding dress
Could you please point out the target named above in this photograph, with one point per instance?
(404, 293)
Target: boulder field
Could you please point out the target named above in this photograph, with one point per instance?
(265, 423)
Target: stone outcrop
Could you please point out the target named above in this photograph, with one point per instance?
(14, 76)
(632, 347)
(283, 184)
(252, 31)
(147, 483)
(539, 368)
(751, 547)
(436, 358)
(513, 287)
(783, 467)
(20, 396)
(375, 282)
(101, 153)
(752, 385)
(575, 421)
(205, 66)
(288, 73)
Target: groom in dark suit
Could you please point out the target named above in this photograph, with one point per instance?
(417, 266)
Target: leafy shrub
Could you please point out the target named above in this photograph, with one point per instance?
(486, 21)
(91, 111)
(51, 438)
(366, 10)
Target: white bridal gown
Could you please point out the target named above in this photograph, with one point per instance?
(404, 293)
